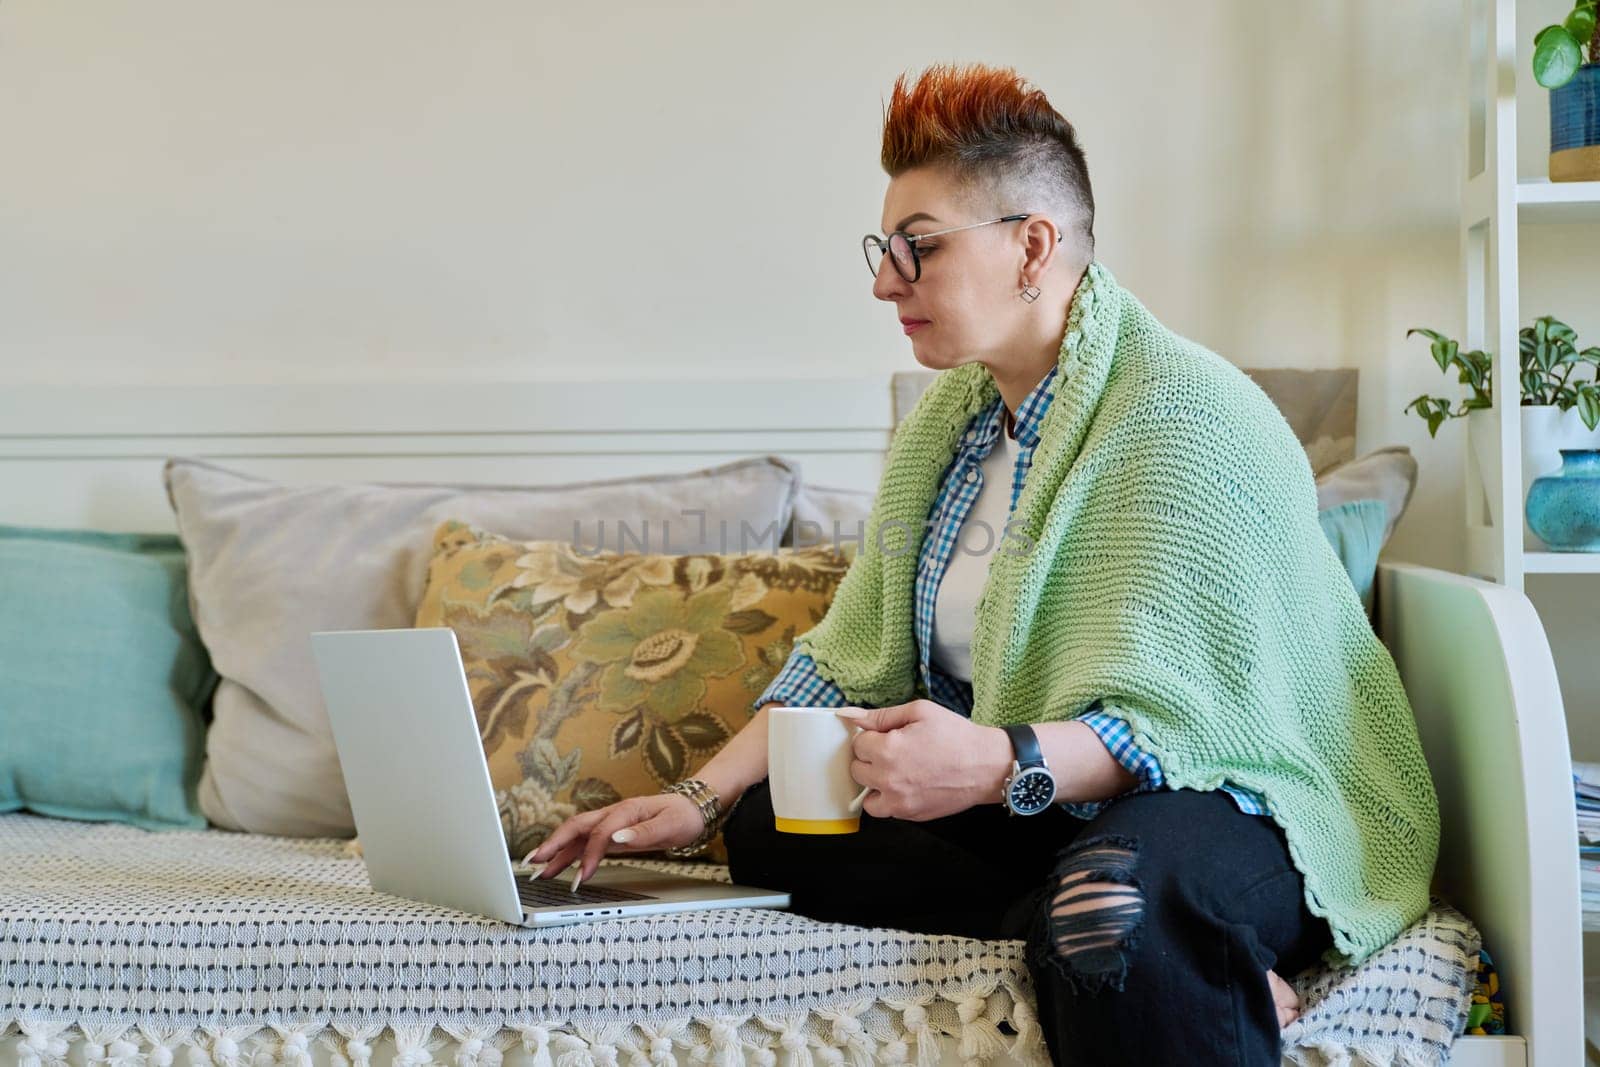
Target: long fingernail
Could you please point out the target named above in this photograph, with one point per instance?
(623, 836)
(849, 713)
(577, 876)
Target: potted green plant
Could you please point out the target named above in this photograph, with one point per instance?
(1558, 411)
(1558, 65)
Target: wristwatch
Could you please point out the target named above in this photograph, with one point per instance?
(1030, 788)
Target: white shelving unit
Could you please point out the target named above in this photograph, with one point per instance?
(1495, 204)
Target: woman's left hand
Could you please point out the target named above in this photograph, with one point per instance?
(923, 761)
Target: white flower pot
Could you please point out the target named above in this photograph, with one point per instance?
(1546, 430)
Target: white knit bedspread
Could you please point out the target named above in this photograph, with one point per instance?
(242, 949)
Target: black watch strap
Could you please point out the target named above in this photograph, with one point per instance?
(1025, 743)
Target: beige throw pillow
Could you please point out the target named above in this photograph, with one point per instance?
(827, 516)
(269, 563)
(1388, 474)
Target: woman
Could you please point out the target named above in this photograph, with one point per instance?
(1147, 728)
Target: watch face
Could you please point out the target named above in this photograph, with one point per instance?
(1032, 791)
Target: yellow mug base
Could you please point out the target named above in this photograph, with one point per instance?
(817, 826)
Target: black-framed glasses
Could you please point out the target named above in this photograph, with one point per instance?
(901, 247)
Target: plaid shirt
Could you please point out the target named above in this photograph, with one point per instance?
(800, 684)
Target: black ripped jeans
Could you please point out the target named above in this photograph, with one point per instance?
(1164, 959)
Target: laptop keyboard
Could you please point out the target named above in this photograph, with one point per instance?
(546, 892)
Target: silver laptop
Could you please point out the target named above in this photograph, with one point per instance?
(423, 804)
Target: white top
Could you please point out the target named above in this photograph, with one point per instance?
(982, 534)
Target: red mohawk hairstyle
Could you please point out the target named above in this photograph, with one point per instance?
(998, 138)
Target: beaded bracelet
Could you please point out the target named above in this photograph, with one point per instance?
(704, 798)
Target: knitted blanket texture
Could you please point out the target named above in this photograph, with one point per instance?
(1165, 561)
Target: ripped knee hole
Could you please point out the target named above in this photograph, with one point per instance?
(1097, 908)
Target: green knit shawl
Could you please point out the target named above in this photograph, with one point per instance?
(1168, 563)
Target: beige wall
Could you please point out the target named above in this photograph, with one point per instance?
(226, 192)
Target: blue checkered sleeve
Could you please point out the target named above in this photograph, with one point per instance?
(1117, 736)
(800, 685)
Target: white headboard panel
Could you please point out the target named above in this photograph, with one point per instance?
(91, 456)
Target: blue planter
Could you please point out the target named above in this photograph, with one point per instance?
(1575, 127)
(1564, 507)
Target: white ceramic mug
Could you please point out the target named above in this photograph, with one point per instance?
(808, 769)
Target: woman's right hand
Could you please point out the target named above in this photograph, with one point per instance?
(646, 824)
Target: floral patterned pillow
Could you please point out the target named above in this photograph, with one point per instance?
(602, 675)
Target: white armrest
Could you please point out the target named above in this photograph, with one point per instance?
(1478, 671)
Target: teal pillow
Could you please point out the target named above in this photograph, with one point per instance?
(1355, 529)
(102, 678)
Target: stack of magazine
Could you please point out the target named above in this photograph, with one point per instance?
(1586, 788)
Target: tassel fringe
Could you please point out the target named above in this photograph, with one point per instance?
(861, 1034)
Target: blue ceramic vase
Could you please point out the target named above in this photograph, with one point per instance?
(1564, 507)
(1575, 127)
